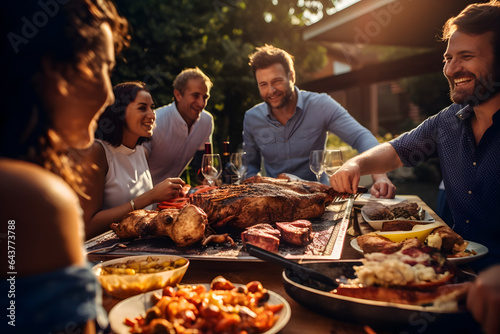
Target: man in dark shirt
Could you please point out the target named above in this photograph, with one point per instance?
(466, 138)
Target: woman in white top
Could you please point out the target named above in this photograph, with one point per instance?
(119, 180)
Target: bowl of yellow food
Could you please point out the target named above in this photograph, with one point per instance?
(132, 275)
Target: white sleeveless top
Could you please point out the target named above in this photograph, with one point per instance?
(128, 175)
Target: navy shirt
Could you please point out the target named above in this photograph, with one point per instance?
(471, 173)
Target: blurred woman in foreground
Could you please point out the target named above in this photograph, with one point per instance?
(121, 181)
(55, 85)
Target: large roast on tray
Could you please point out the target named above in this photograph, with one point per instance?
(259, 200)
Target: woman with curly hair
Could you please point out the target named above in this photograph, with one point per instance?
(55, 62)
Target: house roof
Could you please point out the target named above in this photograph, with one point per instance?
(415, 23)
(408, 23)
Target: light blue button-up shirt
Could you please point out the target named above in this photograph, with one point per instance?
(286, 148)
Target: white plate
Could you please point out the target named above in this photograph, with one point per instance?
(480, 250)
(138, 305)
(377, 224)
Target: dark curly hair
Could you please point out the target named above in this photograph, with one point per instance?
(68, 35)
(112, 121)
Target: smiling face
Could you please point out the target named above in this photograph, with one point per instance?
(276, 87)
(469, 67)
(81, 98)
(193, 101)
(139, 119)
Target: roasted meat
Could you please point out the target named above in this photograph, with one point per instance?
(303, 187)
(447, 240)
(374, 243)
(402, 210)
(262, 235)
(249, 204)
(297, 233)
(135, 224)
(185, 226)
(442, 293)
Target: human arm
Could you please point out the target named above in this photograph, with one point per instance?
(340, 122)
(45, 224)
(252, 159)
(98, 220)
(377, 160)
(483, 299)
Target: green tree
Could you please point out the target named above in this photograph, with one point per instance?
(217, 36)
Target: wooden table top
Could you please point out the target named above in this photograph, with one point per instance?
(302, 320)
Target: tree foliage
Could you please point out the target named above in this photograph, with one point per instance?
(217, 36)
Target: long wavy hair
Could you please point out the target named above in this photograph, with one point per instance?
(70, 36)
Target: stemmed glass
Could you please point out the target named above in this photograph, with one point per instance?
(316, 162)
(237, 165)
(332, 161)
(211, 167)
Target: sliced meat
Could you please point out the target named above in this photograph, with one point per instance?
(377, 211)
(297, 233)
(262, 235)
(397, 225)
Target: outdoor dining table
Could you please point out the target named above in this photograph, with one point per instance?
(302, 320)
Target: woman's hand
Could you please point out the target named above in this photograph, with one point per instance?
(168, 189)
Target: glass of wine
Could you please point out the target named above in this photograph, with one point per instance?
(211, 167)
(316, 158)
(237, 165)
(332, 161)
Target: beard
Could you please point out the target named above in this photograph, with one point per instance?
(485, 87)
(284, 100)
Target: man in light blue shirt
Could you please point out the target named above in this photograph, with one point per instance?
(290, 123)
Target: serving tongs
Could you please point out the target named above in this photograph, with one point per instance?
(304, 273)
(109, 248)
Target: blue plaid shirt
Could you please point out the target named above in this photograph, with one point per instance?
(471, 173)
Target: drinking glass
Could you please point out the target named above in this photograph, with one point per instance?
(332, 161)
(211, 167)
(237, 165)
(316, 162)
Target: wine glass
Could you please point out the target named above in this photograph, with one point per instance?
(237, 165)
(332, 161)
(316, 158)
(211, 167)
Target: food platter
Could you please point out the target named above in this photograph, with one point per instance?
(377, 224)
(328, 236)
(138, 305)
(472, 246)
(379, 315)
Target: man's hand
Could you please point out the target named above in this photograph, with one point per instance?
(382, 186)
(346, 179)
(483, 299)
